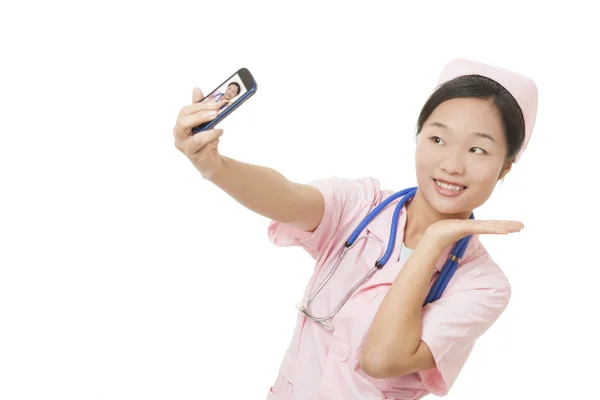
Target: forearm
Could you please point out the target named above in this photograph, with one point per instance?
(269, 193)
(395, 333)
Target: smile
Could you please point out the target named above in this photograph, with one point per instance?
(444, 185)
(448, 189)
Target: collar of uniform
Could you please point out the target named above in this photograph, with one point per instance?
(382, 223)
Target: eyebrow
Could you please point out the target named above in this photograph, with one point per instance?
(479, 134)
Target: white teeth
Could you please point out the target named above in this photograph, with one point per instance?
(447, 186)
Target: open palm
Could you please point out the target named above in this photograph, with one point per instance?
(449, 231)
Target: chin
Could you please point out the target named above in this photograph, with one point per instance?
(448, 208)
(450, 205)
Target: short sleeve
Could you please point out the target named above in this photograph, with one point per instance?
(345, 201)
(452, 324)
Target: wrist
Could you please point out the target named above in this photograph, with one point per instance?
(432, 243)
(213, 176)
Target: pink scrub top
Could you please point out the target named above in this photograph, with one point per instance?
(323, 364)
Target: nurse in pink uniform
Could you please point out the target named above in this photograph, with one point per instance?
(383, 343)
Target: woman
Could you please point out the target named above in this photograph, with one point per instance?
(383, 343)
(233, 89)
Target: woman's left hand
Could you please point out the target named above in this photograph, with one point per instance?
(448, 231)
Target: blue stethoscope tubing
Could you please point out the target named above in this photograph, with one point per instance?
(451, 264)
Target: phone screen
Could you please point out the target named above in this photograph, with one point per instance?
(226, 94)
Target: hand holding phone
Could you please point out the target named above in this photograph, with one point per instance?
(229, 95)
(194, 131)
(201, 149)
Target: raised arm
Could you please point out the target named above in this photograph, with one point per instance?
(260, 189)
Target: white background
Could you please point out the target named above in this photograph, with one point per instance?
(125, 276)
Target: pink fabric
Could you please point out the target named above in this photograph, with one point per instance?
(522, 88)
(321, 364)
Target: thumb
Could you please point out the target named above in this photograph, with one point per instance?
(197, 95)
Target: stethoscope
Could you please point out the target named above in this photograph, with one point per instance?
(219, 95)
(439, 285)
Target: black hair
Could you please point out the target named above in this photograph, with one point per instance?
(481, 87)
(236, 84)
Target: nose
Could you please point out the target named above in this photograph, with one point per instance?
(452, 163)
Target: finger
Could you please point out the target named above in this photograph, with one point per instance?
(199, 140)
(511, 225)
(514, 226)
(197, 107)
(493, 226)
(186, 123)
(197, 95)
(486, 227)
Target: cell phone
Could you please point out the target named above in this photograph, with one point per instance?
(238, 88)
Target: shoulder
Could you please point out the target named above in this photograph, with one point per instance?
(480, 272)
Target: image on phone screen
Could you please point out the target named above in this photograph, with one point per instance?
(232, 93)
(228, 92)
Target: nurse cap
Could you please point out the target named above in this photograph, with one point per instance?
(522, 88)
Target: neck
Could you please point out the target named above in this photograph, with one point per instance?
(420, 215)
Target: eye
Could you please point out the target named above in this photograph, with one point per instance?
(436, 139)
(474, 150)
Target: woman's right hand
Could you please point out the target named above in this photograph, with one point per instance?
(201, 148)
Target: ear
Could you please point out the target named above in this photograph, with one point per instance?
(506, 169)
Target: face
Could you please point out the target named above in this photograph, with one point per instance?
(231, 91)
(460, 155)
